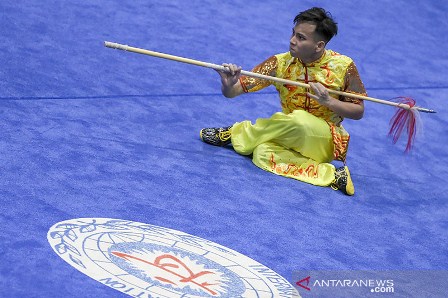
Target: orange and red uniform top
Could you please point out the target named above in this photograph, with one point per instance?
(333, 70)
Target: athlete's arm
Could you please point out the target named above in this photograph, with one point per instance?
(342, 108)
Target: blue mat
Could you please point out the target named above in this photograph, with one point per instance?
(93, 132)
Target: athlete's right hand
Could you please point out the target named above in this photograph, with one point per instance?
(230, 75)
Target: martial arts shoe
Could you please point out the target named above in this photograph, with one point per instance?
(216, 136)
(343, 181)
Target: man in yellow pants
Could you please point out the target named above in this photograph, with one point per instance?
(302, 140)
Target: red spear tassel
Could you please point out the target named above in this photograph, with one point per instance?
(409, 118)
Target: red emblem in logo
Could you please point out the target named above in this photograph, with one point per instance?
(307, 280)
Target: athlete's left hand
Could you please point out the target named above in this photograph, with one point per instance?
(321, 94)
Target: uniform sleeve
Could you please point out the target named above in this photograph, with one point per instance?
(353, 84)
(267, 67)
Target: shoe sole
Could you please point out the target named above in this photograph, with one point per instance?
(350, 188)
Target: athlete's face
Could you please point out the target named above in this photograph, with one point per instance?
(304, 43)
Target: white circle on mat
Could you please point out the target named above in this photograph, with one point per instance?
(144, 260)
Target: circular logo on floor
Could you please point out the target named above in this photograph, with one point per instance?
(144, 260)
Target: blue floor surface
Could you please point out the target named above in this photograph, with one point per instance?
(88, 131)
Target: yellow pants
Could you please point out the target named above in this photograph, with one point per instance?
(298, 145)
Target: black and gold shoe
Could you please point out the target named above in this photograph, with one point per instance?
(216, 136)
(343, 181)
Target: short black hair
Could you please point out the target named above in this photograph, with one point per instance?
(325, 24)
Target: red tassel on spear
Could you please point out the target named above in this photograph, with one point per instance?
(407, 115)
(409, 118)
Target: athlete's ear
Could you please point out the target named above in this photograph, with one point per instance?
(320, 46)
